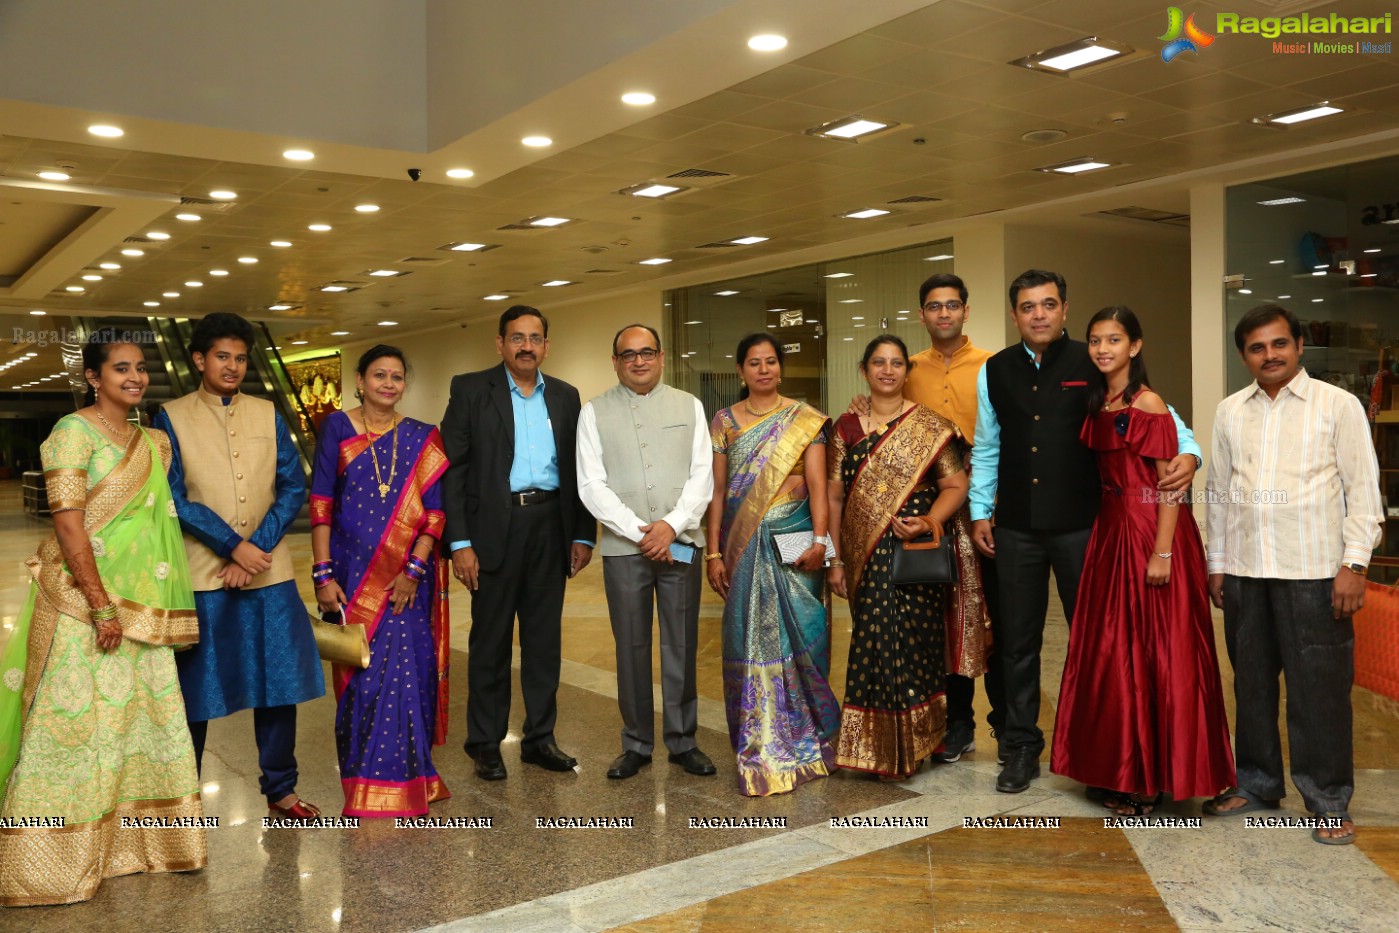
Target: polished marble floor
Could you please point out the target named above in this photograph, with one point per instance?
(931, 874)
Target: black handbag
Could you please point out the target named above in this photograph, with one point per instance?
(927, 559)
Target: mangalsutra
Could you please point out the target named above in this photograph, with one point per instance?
(393, 462)
(108, 425)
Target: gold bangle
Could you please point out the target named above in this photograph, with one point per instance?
(103, 614)
(836, 563)
(715, 556)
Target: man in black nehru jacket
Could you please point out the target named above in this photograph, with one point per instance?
(1041, 483)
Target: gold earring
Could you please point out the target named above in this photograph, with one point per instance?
(779, 380)
(743, 382)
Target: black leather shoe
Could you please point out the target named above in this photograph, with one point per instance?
(960, 740)
(694, 761)
(490, 766)
(627, 764)
(549, 757)
(1022, 766)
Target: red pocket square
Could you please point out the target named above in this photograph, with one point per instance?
(1072, 385)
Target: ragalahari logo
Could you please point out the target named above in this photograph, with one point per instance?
(1193, 39)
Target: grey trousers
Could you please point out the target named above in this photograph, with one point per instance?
(633, 583)
(1286, 626)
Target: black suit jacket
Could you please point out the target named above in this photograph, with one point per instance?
(478, 431)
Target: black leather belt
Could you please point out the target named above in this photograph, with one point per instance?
(533, 496)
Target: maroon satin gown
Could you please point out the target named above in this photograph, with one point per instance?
(1140, 708)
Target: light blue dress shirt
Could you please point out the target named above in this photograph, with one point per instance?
(986, 453)
(536, 461)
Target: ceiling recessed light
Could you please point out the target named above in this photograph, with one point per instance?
(193, 284)
(537, 142)
(319, 228)
(1317, 301)
(133, 253)
(1369, 275)
(938, 258)
(852, 301)
(386, 273)
(866, 214)
(656, 261)
(367, 208)
(1283, 297)
(548, 221)
(55, 176)
(74, 289)
(850, 128)
(459, 173)
(1375, 249)
(299, 343)
(464, 247)
(1319, 272)
(280, 244)
(223, 194)
(109, 266)
(220, 273)
(1076, 167)
(279, 307)
(170, 294)
(749, 240)
(299, 155)
(494, 297)
(92, 277)
(1080, 54)
(859, 325)
(340, 333)
(694, 322)
(388, 323)
(839, 275)
(334, 288)
(156, 235)
(1245, 291)
(638, 98)
(37, 313)
(767, 42)
(1274, 202)
(652, 190)
(106, 130)
(726, 293)
(248, 260)
(151, 304)
(187, 218)
(1299, 115)
(1276, 262)
(555, 283)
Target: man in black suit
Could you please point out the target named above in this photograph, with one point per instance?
(518, 531)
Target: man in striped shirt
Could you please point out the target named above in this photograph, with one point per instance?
(1294, 513)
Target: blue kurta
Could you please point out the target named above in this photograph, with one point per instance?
(256, 648)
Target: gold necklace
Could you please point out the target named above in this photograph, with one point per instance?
(108, 425)
(766, 411)
(393, 463)
(869, 419)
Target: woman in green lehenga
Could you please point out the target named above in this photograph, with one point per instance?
(92, 723)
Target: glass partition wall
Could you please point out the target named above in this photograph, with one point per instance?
(823, 315)
(1325, 245)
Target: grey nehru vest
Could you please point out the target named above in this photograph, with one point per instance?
(647, 441)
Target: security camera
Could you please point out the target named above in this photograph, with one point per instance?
(415, 173)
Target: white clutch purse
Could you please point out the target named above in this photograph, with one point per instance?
(794, 544)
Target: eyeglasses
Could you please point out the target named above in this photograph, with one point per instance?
(933, 307)
(631, 356)
(517, 340)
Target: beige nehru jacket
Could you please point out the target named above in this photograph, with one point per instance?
(229, 454)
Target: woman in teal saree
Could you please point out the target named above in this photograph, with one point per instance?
(769, 479)
(92, 723)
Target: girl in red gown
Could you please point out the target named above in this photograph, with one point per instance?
(1141, 711)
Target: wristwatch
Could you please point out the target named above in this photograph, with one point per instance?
(1356, 568)
(1199, 463)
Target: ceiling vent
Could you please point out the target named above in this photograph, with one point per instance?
(420, 261)
(915, 199)
(603, 272)
(1150, 215)
(698, 174)
(207, 204)
(138, 239)
(716, 246)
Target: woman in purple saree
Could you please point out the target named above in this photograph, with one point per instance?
(376, 516)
